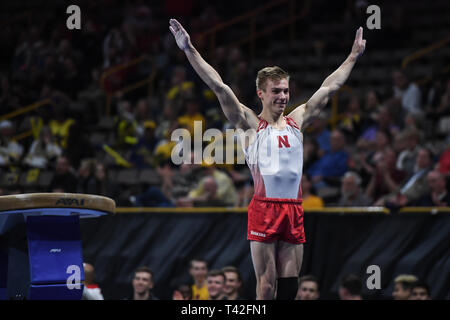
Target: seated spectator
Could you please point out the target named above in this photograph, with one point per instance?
(406, 159)
(43, 150)
(351, 192)
(438, 196)
(333, 164)
(372, 104)
(420, 291)
(60, 126)
(320, 133)
(215, 188)
(85, 175)
(192, 115)
(406, 93)
(142, 154)
(10, 150)
(309, 199)
(142, 285)
(308, 288)
(350, 288)
(233, 283)
(101, 185)
(63, 180)
(439, 100)
(126, 125)
(310, 153)
(351, 122)
(386, 178)
(444, 163)
(91, 290)
(415, 185)
(384, 122)
(215, 282)
(403, 286)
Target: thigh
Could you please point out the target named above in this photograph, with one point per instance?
(288, 259)
(264, 260)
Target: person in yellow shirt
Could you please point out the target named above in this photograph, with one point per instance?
(310, 201)
(192, 114)
(198, 269)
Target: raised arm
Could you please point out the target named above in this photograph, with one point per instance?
(238, 114)
(331, 84)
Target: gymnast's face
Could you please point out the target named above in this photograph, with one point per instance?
(275, 95)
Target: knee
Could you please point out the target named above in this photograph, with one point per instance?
(266, 289)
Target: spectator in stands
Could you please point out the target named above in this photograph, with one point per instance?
(351, 123)
(310, 152)
(215, 282)
(406, 93)
(403, 286)
(420, 291)
(233, 283)
(102, 185)
(351, 192)
(63, 180)
(364, 161)
(143, 153)
(60, 125)
(126, 125)
(320, 133)
(43, 150)
(372, 104)
(10, 150)
(415, 185)
(215, 188)
(333, 164)
(350, 288)
(386, 178)
(438, 195)
(143, 284)
(310, 200)
(438, 102)
(308, 288)
(91, 290)
(198, 269)
(444, 162)
(384, 122)
(407, 158)
(181, 88)
(85, 175)
(192, 115)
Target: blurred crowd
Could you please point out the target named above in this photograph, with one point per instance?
(227, 284)
(384, 149)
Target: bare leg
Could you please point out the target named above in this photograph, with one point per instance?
(289, 262)
(263, 257)
(289, 259)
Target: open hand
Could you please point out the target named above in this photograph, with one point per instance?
(181, 36)
(360, 44)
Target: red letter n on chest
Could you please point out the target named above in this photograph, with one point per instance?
(283, 140)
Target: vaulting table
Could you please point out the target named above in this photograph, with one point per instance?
(40, 244)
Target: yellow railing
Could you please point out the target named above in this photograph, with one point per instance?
(337, 210)
(128, 88)
(422, 52)
(25, 110)
(250, 17)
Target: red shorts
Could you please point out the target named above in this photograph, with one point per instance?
(271, 219)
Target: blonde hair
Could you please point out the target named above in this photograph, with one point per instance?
(269, 73)
(405, 278)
